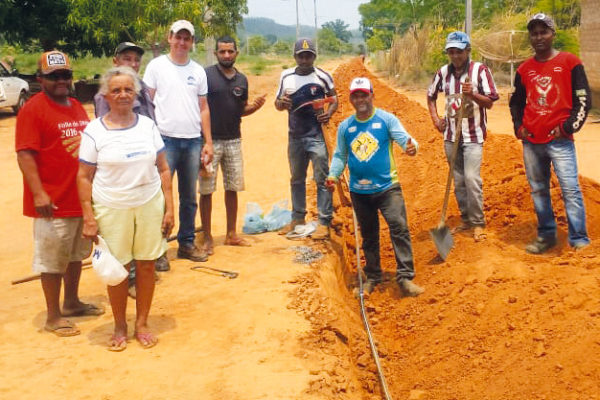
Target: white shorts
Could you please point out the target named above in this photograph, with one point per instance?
(57, 242)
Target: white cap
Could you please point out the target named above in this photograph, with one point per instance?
(362, 84)
(182, 24)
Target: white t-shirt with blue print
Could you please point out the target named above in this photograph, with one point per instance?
(366, 146)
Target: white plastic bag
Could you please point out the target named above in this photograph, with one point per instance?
(107, 267)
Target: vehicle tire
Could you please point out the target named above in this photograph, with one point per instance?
(20, 103)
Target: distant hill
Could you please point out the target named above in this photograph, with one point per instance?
(266, 26)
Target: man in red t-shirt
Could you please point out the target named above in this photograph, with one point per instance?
(47, 143)
(550, 103)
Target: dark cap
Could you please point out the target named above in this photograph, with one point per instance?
(304, 44)
(543, 19)
(128, 46)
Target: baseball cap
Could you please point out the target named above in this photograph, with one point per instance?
(457, 39)
(128, 46)
(361, 84)
(52, 61)
(182, 24)
(304, 44)
(544, 19)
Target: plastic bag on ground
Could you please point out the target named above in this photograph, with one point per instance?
(278, 217)
(253, 220)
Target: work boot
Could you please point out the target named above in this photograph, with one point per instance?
(540, 245)
(290, 227)
(409, 289)
(368, 287)
(162, 263)
(321, 233)
(191, 252)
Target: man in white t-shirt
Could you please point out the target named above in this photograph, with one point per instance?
(178, 88)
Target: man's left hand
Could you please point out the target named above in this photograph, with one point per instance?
(323, 118)
(411, 149)
(555, 132)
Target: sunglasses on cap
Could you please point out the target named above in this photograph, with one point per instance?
(59, 75)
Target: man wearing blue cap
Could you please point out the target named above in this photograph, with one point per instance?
(298, 88)
(473, 80)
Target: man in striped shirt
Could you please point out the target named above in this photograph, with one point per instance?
(474, 80)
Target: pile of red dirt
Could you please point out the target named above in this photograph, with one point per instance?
(494, 322)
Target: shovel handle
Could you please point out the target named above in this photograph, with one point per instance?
(457, 139)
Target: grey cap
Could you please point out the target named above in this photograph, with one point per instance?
(128, 46)
(543, 19)
(304, 44)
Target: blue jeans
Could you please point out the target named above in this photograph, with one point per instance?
(183, 156)
(468, 186)
(300, 152)
(391, 204)
(561, 154)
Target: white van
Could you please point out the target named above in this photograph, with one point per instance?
(13, 90)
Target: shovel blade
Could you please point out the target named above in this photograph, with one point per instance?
(442, 238)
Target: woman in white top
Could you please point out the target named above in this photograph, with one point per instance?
(125, 192)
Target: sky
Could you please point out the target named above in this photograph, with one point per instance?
(284, 11)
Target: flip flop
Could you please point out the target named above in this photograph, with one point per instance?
(117, 343)
(479, 234)
(237, 241)
(460, 228)
(146, 339)
(85, 310)
(64, 329)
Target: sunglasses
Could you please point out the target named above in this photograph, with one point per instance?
(59, 75)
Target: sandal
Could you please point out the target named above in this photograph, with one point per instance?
(479, 234)
(146, 339)
(461, 228)
(64, 329)
(237, 241)
(117, 343)
(85, 310)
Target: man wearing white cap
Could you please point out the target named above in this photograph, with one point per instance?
(178, 87)
(364, 143)
(47, 141)
(474, 81)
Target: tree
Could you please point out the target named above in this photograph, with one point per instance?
(339, 29)
(257, 44)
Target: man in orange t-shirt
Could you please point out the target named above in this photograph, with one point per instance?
(47, 139)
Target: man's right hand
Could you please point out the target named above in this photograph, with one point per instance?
(523, 133)
(330, 184)
(440, 125)
(43, 205)
(285, 103)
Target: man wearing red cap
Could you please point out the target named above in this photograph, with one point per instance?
(47, 140)
(551, 101)
(364, 143)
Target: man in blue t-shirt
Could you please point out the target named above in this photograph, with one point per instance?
(298, 88)
(364, 142)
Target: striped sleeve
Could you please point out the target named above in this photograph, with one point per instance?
(486, 83)
(326, 78)
(436, 86)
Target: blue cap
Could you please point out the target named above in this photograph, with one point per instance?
(458, 39)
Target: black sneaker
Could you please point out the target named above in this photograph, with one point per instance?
(191, 252)
(540, 245)
(162, 264)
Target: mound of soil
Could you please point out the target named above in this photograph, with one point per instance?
(494, 322)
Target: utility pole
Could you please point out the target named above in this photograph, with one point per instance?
(316, 29)
(469, 17)
(297, 22)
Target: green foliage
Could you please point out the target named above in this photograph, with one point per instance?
(567, 40)
(339, 29)
(379, 40)
(328, 42)
(257, 44)
(282, 47)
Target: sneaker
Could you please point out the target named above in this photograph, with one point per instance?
(191, 252)
(540, 245)
(409, 289)
(162, 264)
(321, 233)
(290, 227)
(580, 246)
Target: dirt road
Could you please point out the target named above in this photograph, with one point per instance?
(494, 323)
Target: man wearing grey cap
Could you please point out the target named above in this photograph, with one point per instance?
(178, 87)
(298, 88)
(550, 104)
(473, 81)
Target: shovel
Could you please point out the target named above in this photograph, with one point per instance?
(441, 235)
